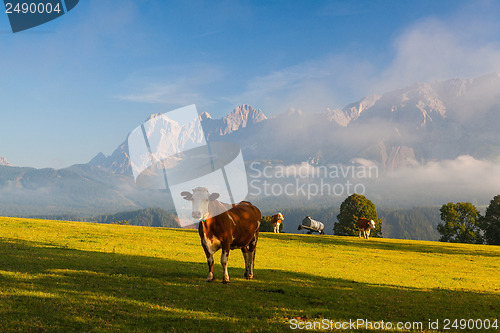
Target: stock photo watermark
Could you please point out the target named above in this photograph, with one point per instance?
(27, 14)
(182, 159)
(381, 325)
(305, 180)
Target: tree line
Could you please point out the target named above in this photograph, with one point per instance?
(463, 223)
(401, 223)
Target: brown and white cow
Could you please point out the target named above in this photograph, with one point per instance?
(365, 225)
(276, 221)
(225, 227)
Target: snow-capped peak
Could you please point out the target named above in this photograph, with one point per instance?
(4, 162)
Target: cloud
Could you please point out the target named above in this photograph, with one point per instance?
(311, 86)
(462, 179)
(166, 93)
(465, 171)
(177, 86)
(437, 50)
(465, 44)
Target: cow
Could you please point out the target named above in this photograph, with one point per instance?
(365, 225)
(276, 221)
(226, 227)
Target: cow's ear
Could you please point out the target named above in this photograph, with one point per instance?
(187, 195)
(213, 196)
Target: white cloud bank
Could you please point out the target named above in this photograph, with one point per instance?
(462, 179)
(432, 184)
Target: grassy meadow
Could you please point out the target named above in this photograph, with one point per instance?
(74, 276)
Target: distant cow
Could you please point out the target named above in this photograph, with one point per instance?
(365, 225)
(276, 221)
(312, 225)
(220, 228)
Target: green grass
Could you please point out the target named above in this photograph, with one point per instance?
(71, 276)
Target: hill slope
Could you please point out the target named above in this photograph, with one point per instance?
(70, 276)
(80, 190)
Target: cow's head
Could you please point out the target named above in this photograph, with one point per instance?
(371, 224)
(200, 199)
(280, 216)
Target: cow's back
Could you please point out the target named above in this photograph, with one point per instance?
(238, 225)
(363, 223)
(246, 218)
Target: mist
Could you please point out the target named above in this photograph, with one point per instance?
(464, 179)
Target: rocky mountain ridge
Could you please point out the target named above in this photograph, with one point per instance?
(404, 127)
(3, 161)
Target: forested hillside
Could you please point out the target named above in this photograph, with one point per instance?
(415, 223)
(149, 217)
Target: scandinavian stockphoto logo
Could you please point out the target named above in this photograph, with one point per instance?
(26, 14)
(170, 151)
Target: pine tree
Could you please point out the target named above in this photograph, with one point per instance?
(491, 222)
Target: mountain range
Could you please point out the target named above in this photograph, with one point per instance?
(214, 129)
(404, 128)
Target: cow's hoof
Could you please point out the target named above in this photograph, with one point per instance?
(209, 280)
(249, 277)
(225, 281)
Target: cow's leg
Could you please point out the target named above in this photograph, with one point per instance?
(359, 233)
(247, 255)
(208, 253)
(368, 233)
(251, 256)
(223, 261)
(210, 261)
(277, 228)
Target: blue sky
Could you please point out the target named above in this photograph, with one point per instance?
(79, 84)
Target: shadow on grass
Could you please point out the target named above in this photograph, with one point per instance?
(57, 289)
(374, 243)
